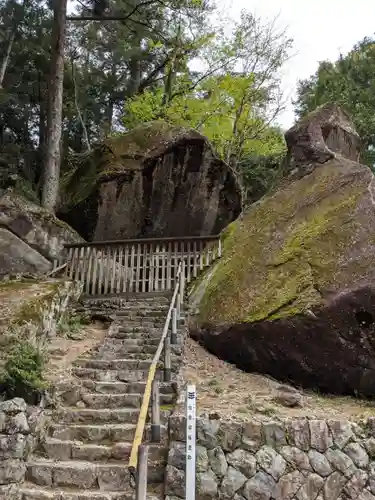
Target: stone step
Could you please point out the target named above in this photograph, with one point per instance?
(165, 388)
(121, 354)
(33, 492)
(99, 434)
(110, 401)
(139, 329)
(117, 334)
(131, 349)
(86, 475)
(113, 401)
(137, 341)
(113, 364)
(78, 474)
(156, 312)
(113, 375)
(68, 415)
(57, 449)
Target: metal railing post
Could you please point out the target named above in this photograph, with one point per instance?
(167, 359)
(174, 327)
(155, 413)
(141, 478)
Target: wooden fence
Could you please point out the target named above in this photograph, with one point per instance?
(141, 265)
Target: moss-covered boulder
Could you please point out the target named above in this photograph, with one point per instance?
(294, 294)
(30, 236)
(156, 180)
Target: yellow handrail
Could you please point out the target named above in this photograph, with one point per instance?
(150, 377)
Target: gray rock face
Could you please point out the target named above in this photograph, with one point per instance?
(200, 193)
(232, 482)
(318, 137)
(30, 237)
(259, 487)
(17, 256)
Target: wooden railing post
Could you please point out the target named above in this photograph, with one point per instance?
(141, 478)
(167, 359)
(155, 413)
(174, 327)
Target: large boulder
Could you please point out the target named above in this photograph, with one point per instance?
(31, 237)
(294, 294)
(154, 181)
(17, 257)
(37, 227)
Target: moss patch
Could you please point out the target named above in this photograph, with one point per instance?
(287, 247)
(116, 157)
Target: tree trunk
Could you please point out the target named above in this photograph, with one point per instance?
(54, 117)
(5, 62)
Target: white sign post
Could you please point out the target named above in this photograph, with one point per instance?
(191, 398)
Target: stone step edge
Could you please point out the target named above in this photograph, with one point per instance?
(29, 491)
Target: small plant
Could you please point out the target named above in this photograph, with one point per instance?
(269, 411)
(213, 382)
(23, 373)
(71, 325)
(242, 409)
(218, 390)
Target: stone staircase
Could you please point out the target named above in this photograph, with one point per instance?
(85, 454)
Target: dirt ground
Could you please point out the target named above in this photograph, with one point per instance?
(224, 389)
(62, 351)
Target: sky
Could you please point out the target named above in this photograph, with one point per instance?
(321, 30)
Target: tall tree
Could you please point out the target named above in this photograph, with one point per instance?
(55, 100)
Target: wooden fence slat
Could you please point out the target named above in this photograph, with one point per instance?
(130, 269)
(107, 270)
(163, 267)
(151, 269)
(201, 250)
(95, 271)
(169, 267)
(157, 268)
(114, 267)
(126, 271)
(120, 270)
(188, 261)
(195, 260)
(89, 268)
(138, 257)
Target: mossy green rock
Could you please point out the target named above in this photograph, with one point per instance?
(156, 180)
(294, 293)
(294, 249)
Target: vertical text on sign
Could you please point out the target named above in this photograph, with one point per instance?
(190, 441)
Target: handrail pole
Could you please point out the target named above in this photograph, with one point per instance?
(167, 359)
(141, 477)
(174, 327)
(132, 464)
(155, 413)
(178, 307)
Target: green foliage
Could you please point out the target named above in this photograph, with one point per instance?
(23, 373)
(71, 326)
(260, 174)
(350, 82)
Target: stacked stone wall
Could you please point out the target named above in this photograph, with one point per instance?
(293, 460)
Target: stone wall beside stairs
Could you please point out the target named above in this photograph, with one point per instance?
(21, 428)
(298, 459)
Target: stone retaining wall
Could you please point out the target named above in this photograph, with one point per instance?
(294, 460)
(21, 428)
